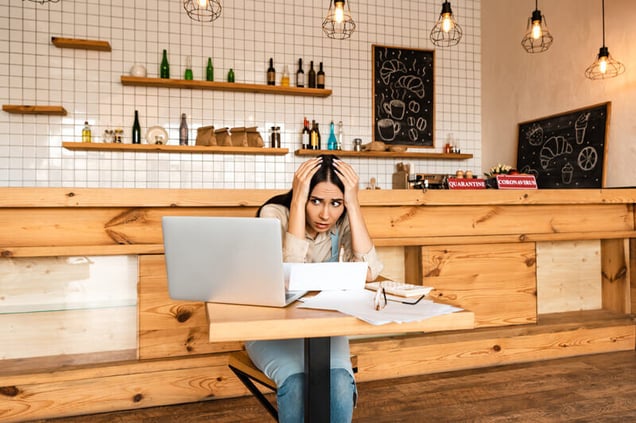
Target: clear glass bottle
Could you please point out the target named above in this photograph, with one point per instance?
(86, 132)
(284, 80)
(340, 136)
(183, 130)
(332, 142)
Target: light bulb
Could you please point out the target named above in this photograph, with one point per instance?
(339, 12)
(602, 64)
(536, 30)
(203, 3)
(447, 22)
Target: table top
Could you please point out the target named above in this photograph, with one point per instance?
(229, 322)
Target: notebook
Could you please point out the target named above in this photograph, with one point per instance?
(235, 260)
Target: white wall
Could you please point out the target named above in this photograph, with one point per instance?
(517, 86)
(87, 84)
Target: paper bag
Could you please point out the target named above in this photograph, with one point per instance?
(205, 136)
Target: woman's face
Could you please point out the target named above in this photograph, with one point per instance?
(324, 208)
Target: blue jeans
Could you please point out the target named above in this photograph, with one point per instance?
(290, 399)
(283, 361)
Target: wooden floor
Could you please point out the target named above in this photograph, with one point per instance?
(597, 388)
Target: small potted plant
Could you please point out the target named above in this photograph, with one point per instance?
(500, 169)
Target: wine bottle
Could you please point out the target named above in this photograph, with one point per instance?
(136, 130)
(86, 132)
(305, 136)
(314, 136)
(271, 73)
(332, 142)
(300, 75)
(183, 130)
(164, 70)
(320, 80)
(318, 147)
(311, 82)
(209, 71)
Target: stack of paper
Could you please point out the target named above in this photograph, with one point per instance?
(359, 303)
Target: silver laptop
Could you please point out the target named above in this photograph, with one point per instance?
(236, 260)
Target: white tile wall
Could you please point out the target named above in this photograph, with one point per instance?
(249, 32)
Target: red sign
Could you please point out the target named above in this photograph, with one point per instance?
(516, 182)
(462, 183)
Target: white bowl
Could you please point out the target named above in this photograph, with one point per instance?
(138, 70)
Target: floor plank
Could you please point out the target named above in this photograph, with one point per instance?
(583, 389)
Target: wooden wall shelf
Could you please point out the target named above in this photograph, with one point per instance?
(81, 44)
(223, 86)
(22, 109)
(162, 148)
(385, 154)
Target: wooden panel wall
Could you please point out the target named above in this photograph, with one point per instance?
(568, 276)
(496, 282)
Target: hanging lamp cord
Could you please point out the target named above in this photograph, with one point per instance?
(603, 14)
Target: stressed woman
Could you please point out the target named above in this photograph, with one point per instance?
(321, 221)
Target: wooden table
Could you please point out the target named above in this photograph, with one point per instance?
(250, 323)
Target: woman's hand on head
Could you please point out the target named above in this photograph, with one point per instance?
(302, 178)
(349, 179)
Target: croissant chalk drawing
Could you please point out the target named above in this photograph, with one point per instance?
(553, 147)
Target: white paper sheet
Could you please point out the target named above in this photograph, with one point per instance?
(360, 304)
(325, 276)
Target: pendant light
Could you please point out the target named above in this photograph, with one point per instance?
(604, 66)
(446, 32)
(537, 39)
(203, 10)
(338, 24)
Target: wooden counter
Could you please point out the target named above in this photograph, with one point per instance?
(547, 274)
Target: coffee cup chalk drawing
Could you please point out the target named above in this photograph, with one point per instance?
(403, 96)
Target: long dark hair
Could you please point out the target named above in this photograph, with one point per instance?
(326, 173)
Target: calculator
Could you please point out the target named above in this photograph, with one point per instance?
(401, 289)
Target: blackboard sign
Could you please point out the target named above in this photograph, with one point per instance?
(567, 150)
(403, 96)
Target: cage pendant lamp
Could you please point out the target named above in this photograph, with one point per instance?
(203, 10)
(338, 23)
(446, 32)
(604, 66)
(537, 39)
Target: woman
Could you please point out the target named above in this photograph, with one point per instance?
(320, 217)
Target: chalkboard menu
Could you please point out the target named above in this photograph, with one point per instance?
(567, 150)
(403, 96)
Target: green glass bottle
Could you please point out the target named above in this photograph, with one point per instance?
(188, 76)
(164, 70)
(209, 71)
(230, 75)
